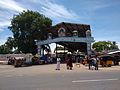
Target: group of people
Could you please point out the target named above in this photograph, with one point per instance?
(69, 63)
(93, 63)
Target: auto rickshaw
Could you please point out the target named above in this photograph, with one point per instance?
(19, 61)
(106, 60)
(116, 59)
(35, 60)
(85, 61)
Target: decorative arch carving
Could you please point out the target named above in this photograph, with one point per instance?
(75, 33)
(88, 33)
(61, 32)
(49, 35)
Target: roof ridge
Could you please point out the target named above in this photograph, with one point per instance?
(71, 23)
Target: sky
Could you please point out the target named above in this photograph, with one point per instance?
(102, 15)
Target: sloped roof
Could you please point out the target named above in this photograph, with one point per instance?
(70, 27)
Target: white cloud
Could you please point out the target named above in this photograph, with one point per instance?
(7, 9)
(5, 23)
(11, 5)
(47, 7)
(6, 13)
(56, 11)
(4, 39)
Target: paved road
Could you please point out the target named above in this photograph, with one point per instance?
(45, 77)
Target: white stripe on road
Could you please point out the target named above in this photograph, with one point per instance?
(14, 75)
(96, 80)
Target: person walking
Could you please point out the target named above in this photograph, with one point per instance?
(97, 61)
(58, 63)
(90, 62)
(69, 63)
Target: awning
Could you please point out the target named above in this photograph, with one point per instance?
(114, 52)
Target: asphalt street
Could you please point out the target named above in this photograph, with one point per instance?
(45, 77)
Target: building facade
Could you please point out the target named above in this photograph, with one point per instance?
(70, 35)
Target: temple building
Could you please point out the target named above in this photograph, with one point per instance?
(70, 35)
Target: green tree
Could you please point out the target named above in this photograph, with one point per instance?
(8, 46)
(4, 49)
(104, 45)
(27, 27)
(10, 43)
(114, 46)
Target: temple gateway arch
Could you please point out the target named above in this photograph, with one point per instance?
(71, 35)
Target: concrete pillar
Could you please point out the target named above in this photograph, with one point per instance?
(42, 51)
(64, 53)
(56, 50)
(88, 49)
(89, 52)
(39, 50)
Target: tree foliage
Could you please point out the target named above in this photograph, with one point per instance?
(10, 43)
(104, 45)
(27, 27)
(8, 46)
(4, 49)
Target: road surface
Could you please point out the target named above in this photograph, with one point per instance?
(45, 77)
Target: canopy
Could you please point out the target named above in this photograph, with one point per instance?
(114, 52)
